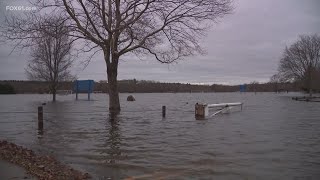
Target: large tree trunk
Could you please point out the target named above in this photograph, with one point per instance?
(53, 89)
(54, 92)
(310, 88)
(309, 81)
(54, 96)
(112, 71)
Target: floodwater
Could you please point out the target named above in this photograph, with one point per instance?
(273, 137)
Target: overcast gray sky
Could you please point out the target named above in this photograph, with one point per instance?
(243, 47)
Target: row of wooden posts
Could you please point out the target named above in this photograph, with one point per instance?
(40, 116)
(307, 98)
(199, 112)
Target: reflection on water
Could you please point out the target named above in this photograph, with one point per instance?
(113, 139)
(272, 138)
(40, 132)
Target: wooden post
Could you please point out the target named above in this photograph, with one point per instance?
(40, 117)
(89, 87)
(200, 111)
(163, 111)
(77, 87)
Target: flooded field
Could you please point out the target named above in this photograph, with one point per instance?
(273, 137)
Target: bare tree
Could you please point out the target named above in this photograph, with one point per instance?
(51, 55)
(301, 61)
(253, 86)
(168, 30)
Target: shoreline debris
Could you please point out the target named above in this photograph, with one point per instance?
(42, 167)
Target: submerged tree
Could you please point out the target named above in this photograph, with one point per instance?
(168, 30)
(301, 62)
(50, 56)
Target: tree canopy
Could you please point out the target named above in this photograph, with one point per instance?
(301, 62)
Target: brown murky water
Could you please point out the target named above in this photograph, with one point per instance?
(273, 137)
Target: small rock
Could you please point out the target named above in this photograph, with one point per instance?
(130, 98)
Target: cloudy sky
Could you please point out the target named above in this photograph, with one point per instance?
(243, 47)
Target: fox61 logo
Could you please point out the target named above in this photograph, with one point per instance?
(20, 8)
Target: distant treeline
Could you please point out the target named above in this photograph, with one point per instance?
(135, 86)
(6, 88)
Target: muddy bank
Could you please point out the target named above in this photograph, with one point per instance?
(42, 167)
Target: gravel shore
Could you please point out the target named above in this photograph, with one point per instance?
(42, 167)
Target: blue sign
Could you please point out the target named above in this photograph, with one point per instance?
(242, 88)
(83, 86)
